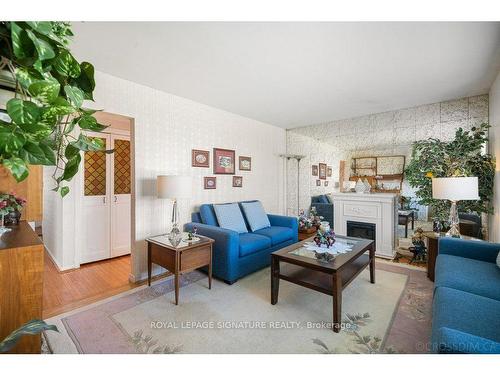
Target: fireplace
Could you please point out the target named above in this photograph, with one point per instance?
(361, 230)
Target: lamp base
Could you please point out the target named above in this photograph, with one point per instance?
(454, 221)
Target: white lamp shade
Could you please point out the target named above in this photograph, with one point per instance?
(174, 187)
(455, 188)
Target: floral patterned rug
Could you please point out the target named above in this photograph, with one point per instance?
(391, 316)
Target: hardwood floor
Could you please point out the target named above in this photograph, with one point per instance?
(65, 291)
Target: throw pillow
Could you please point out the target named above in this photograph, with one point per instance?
(229, 216)
(323, 199)
(498, 259)
(256, 216)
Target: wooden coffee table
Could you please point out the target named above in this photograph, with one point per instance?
(297, 265)
(180, 259)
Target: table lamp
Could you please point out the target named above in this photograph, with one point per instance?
(455, 189)
(174, 188)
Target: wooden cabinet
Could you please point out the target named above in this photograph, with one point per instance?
(21, 282)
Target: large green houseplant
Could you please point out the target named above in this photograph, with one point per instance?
(465, 155)
(50, 89)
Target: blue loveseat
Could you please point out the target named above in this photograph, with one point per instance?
(236, 255)
(466, 306)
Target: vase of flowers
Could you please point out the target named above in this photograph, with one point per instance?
(309, 223)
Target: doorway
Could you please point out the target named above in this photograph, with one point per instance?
(107, 193)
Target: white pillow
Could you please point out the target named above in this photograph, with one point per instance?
(498, 259)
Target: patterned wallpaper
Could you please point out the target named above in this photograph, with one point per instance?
(167, 127)
(388, 133)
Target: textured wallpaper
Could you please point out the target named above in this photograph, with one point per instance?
(388, 133)
(167, 127)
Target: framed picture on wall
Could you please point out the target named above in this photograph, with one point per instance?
(322, 171)
(318, 182)
(200, 158)
(224, 161)
(328, 171)
(326, 183)
(237, 181)
(245, 163)
(209, 182)
(314, 170)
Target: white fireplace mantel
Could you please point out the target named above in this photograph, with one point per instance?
(376, 208)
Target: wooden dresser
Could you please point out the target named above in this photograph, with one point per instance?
(21, 282)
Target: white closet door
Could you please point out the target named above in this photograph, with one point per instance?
(121, 196)
(96, 203)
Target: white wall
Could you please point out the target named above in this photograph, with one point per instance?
(388, 133)
(495, 151)
(167, 127)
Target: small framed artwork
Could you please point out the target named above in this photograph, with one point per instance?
(328, 171)
(318, 182)
(237, 181)
(326, 183)
(200, 158)
(322, 171)
(209, 182)
(224, 161)
(245, 163)
(314, 170)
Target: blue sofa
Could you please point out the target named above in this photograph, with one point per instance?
(236, 255)
(324, 207)
(466, 305)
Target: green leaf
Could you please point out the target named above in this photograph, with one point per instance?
(33, 327)
(27, 76)
(85, 80)
(49, 153)
(64, 190)
(45, 91)
(43, 48)
(34, 154)
(71, 167)
(85, 143)
(22, 45)
(66, 65)
(11, 140)
(17, 167)
(90, 123)
(75, 95)
(59, 107)
(70, 151)
(43, 27)
(23, 112)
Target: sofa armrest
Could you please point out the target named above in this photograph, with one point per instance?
(478, 250)
(454, 341)
(284, 221)
(225, 248)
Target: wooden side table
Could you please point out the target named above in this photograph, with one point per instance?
(180, 259)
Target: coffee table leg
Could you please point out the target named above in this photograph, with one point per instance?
(372, 264)
(275, 280)
(149, 264)
(337, 302)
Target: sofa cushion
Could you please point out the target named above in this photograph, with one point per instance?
(251, 243)
(207, 214)
(229, 216)
(466, 312)
(498, 260)
(255, 215)
(469, 275)
(276, 234)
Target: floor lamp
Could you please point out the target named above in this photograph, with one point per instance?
(298, 158)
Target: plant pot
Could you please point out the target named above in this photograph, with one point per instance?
(308, 230)
(12, 218)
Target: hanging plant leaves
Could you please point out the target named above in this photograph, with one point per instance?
(90, 123)
(66, 65)
(21, 44)
(74, 95)
(10, 140)
(46, 91)
(23, 112)
(71, 167)
(17, 168)
(44, 50)
(85, 80)
(32, 153)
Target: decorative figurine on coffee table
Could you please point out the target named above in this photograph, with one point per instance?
(324, 238)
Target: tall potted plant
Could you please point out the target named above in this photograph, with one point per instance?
(50, 89)
(465, 155)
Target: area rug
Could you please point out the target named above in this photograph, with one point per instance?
(390, 316)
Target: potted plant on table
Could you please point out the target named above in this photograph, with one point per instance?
(11, 207)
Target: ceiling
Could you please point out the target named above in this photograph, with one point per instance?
(296, 74)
